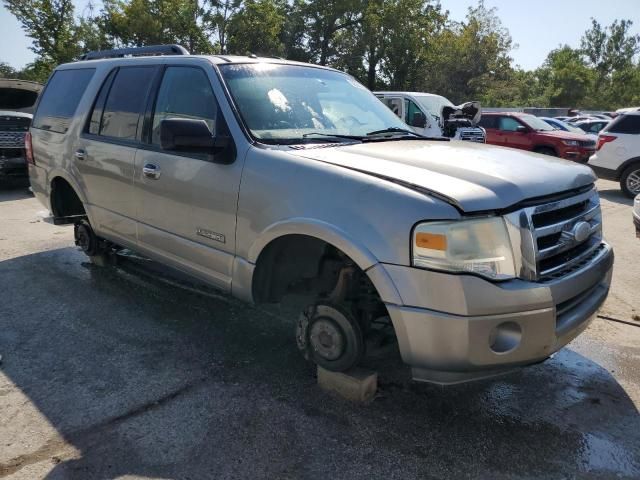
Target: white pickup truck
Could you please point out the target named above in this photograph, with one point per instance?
(436, 116)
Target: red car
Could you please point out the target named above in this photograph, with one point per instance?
(528, 132)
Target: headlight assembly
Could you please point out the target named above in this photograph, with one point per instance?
(479, 246)
(571, 143)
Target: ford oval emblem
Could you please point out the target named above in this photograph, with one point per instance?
(581, 231)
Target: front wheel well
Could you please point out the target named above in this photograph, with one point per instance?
(301, 265)
(65, 202)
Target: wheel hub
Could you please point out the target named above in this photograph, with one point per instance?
(327, 339)
(633, 182)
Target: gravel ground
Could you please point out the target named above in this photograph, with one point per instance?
(119, 373)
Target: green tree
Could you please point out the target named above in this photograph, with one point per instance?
(218, 17)
(471, 57)
(50, 24)
(257, 28)
(150, 22)
(566, 77)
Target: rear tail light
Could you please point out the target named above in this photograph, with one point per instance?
(602, 139)
(28, 148)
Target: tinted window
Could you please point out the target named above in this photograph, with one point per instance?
(625, 124)
(488, 121)
(96, 114)
(60, 99)
(125, 102)
(185, 92)
(508, 124)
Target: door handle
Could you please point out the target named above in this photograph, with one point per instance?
(80, 154)
(151, 171)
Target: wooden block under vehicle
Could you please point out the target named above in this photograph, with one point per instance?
(357, 385)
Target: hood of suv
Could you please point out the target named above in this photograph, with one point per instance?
(18, 95)
(473, 177)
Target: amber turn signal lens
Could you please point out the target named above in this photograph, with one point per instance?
(431, 240)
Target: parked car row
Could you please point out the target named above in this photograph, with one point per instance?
(528, 132)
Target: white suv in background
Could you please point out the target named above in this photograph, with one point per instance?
(617, 154)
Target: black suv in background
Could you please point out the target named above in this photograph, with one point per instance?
(17, 100)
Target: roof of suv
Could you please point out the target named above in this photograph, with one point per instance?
(215, 59)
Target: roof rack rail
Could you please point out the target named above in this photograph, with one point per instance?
(136, 52)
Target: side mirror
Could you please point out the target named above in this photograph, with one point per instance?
(522, 129)
(190, 135)
(419, 120)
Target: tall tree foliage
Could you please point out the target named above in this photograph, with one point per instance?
(386, 44)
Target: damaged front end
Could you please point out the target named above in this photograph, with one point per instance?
(460, 122)
(17, 100)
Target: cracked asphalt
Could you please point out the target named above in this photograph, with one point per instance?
(122, 372)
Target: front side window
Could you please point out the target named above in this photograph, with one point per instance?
(61, 98)
(284, 104)
(125, 102)
(410, 110)
(508, 124)
(185, 92)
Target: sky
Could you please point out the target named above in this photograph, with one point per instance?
(537, 27)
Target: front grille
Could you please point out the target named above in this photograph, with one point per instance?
(588, 143)
(560, 236)
(471, 134)
(566, 233)
(12, 139)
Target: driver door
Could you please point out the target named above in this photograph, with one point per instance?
(187, 201)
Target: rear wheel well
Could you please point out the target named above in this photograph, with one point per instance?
(65, 202)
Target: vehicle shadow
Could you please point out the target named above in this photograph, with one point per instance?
(14, 189)
(615, 195)
(140, 376)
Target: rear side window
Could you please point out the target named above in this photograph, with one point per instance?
(60, 99)
(488, 121)
(625, 124)
(117, 112)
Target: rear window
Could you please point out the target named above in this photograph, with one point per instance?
(60, 99)
(625, 124)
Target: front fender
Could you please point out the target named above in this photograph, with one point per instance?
(317, 229)
(244, 268)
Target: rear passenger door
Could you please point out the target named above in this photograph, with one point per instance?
(490, 124)
(106, 152)
(187, 206)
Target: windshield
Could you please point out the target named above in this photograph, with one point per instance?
(283, 104)
(433, 103)
(535, 123)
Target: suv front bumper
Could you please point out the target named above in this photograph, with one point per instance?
(456, 328)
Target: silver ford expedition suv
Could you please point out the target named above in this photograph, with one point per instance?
(275, 180)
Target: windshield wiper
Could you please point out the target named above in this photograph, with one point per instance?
(393, 130)
(333, 135)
